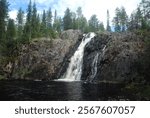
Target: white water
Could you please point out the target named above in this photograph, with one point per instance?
(94, 64)
(94, 67)
(74, 70)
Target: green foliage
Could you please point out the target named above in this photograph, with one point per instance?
(11, 30)
(101, 28)
(120, 20)
(49, 18)
(34, 22)
(20, 17)
(93, 23)
(67, 21)
(140, 19)
(3, 15)
(26, 38)
(27, 32)
(57, 25)
(29, 13)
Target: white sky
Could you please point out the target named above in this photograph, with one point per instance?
(89, 7)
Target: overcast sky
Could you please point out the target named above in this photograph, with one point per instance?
(89, 7)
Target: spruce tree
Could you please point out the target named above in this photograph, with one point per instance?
(84, 24)
(11, 30)
(74, 20)
(57, 25)
(116, 20)
(93, 23)
(3, 15)
(123, 19)
(67, 21)
(27, 29)
(49, 18)
(101, 27)
(43, 27)
(20, 21)
(34, 22)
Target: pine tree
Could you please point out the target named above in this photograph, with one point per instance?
(34, 22)
(29, 13)
(44, 19)
(138, 18)
(59, 25)
(27, 28)
(123, 19)
(67, 21)
(55, 21)
(131, 23)
(116, 20)
(49, 18)
(145, 9)
(101, 27)
(43, 28)
(38, 25)
(84, 24)
(11, 30)
(3, 15)
(20, 17)
(74, 21)
(93, 23)
(108, 26)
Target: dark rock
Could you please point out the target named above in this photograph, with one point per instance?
(46, 59)
(117, 61)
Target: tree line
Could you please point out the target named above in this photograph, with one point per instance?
(138, 20)
(35, 25)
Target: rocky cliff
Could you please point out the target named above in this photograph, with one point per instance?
(110, 57)
(115, 55)
(46, 59)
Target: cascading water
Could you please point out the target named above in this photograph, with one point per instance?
(74, 70)
(94, 67)
(94, 64)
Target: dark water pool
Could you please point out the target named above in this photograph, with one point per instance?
(63, 91)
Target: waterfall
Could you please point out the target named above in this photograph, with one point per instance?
(74, 70)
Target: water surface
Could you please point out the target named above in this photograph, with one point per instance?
(57, 90)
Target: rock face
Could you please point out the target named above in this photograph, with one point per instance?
(117, 56)
(46, 59)
(110, 57)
